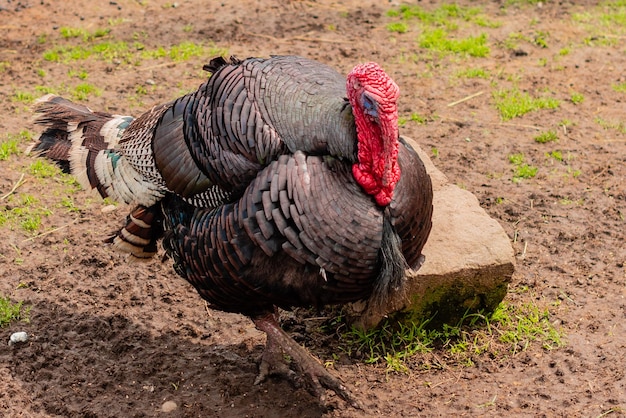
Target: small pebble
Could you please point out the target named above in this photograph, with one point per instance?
(18, 337)
(108, 208)
(169, 406)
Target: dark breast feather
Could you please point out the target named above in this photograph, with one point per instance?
(262, 250)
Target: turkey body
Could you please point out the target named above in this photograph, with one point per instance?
(262, 184)
(303, 233)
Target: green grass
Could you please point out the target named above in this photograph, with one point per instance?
(9, 146)
(81, 74)
(473, 73)
(525, 324)
(41, 90)
(521, 170)
(507, 331)
(413, 117)
(548, 136)
(446, 15)
(619, 126)
(606, 19)
(23, 211)
(555, 155)
(23, 97)
(42, 169)
(69, 204)
(438, 40)
(129, 53)
(577, 98)
(620, 88)
(538, 38)
(72, 32)
(10, 311)
(84, 90)
(399, 27)
(513, 103)
(68, 33)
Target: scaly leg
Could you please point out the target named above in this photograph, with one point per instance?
(279, 342)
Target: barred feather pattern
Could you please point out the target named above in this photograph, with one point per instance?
(85, 143)
(303, 233)
(140, 235)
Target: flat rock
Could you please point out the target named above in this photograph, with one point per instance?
(469, 260)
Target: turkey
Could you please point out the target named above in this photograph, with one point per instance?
(278, 183)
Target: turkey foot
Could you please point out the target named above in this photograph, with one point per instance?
(272, 363)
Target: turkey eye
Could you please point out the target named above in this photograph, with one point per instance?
(367, 103)
(369, 106)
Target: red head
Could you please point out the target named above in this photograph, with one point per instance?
(373, 96)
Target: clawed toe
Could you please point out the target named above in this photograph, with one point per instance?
(315, 376)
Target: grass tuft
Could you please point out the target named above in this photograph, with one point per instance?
(577, 98)
(10, 311)
(548, 136)
(513, 103)
(620, 88)
(510, 329)
(10, 147)
(473, 73)
(438, 40)
(399, 27)
(521, 170)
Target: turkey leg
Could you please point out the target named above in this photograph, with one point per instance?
(279, 343)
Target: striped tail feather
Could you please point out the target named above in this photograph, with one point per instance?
(140, 235)
(84, 143)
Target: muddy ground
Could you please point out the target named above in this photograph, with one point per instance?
(111, 338)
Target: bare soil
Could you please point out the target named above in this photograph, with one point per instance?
(111, 338)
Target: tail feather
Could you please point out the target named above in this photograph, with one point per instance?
(85, 143)
(140, 235)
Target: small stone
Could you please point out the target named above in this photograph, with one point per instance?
(169, 406)
(18, 337)
(108, 208)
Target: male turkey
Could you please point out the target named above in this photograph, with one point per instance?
(278, 183)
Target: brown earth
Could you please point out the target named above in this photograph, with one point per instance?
(111, 338)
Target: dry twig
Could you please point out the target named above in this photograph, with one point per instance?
(15, 186)
(471, 96)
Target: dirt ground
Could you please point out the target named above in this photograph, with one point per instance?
(111, 338)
